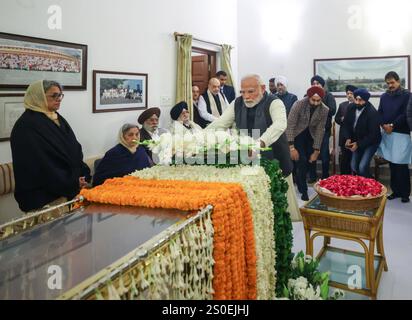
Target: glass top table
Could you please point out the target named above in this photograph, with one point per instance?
(359, 226)
(315, 204)
(76, 246)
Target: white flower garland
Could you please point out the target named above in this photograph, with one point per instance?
(256, 184)
(182, 269)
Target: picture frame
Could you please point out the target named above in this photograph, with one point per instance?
(11, 108)
(362, 72)
(119, 91)
(25, 59)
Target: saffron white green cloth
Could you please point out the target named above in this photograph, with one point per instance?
(256, 184)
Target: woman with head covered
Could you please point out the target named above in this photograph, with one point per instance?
(124, 158)
(47, 158)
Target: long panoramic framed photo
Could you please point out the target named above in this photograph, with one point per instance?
(363, 72)
(24, 60)
(119, 91)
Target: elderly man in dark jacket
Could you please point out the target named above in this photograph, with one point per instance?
(361, 132)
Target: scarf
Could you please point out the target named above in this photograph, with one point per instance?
(35, 100)
(213, 106)
(123, 142)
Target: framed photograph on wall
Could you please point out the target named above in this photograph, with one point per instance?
(11, 108)
(24, 60)
(119, 91)
(366, 72)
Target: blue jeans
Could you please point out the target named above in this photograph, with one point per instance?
(361, 159)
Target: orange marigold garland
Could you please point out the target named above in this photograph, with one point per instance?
(234, 242)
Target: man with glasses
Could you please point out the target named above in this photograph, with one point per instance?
(257, 111)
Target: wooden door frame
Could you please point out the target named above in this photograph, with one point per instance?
(211, 59)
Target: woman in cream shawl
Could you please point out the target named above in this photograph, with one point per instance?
(47, 158)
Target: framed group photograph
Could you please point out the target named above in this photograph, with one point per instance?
(119, 91)
(24, 60)
(11, 108)
(366, 72)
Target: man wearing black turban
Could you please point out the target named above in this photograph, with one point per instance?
(181, 119)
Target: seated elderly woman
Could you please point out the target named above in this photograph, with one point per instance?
(124, 158)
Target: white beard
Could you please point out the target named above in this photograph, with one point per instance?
(254, 103)
(149, 128)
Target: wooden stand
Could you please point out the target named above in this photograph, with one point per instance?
(348, 225)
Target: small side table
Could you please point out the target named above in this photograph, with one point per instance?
(320, 220)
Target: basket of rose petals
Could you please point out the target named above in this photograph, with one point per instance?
(348, 192)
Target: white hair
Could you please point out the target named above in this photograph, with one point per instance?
(257, 77)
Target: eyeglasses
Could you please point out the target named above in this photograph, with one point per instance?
(56, 96)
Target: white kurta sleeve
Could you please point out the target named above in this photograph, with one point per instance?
(201, 106)
(226, 120)
(278, 114)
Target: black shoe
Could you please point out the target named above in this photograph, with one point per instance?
(393, 196)
(304, 196)
(405, 200)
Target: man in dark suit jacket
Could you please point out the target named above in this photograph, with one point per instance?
(361, 131)
(346, 154)
(227, 91)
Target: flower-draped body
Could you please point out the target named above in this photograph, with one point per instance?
(256, 184)
(234, 249)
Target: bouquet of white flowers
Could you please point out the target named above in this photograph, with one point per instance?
(205, 147)
(306, 282)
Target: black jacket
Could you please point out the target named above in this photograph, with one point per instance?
(339, 117)
(47, 160)
(330, 102)
(144, 135)
(367, 130)
(229, 92)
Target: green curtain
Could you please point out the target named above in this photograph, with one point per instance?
(226, 65)
(184, 71)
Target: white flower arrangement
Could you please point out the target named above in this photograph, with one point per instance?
(306, 282)
(256, 184)
(195, 147)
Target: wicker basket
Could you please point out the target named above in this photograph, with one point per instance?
(349, 203)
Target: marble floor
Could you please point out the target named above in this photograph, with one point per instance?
(396, 284)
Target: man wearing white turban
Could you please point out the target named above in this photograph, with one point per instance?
(288, 98)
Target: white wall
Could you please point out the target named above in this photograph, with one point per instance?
(122, 35)
(283, 37)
